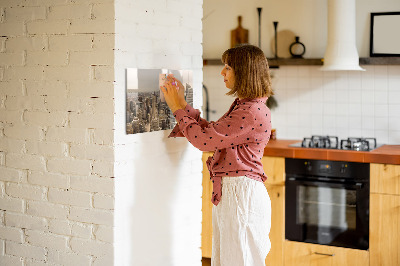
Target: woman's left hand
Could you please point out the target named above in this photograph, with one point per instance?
(171, 95)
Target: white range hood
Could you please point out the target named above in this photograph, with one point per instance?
(341, 51)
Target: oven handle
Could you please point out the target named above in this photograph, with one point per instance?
(357, 185)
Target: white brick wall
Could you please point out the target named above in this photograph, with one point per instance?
(56, 132)
(62, 66)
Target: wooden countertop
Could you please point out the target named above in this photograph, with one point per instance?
(389, 154)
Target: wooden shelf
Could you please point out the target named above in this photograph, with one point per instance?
(274, 63)
(380, 61)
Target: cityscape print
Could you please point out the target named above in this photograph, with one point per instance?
(146, 109)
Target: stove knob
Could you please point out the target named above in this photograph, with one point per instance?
(343, 168)
(308, 166)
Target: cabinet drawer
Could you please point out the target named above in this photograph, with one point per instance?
(385, 178)
(274, 168)
(304, 254)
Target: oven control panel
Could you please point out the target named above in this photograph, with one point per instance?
(337, 169)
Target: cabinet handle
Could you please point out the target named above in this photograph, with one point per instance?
(324, 254)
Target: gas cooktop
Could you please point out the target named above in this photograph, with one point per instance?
(332, 142)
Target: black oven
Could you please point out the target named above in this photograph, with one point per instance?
(327, 202)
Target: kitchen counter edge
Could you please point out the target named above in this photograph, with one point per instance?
(385, 154)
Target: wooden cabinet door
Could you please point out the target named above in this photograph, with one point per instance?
(274, 168)
(384, 236)
(277, 233)
(206, 226)
(385, 178)
(304, 254)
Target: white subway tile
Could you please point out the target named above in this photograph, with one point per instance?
(394, 123)
(367, 96)
(367, 110)
(394, 110)
(382, 123)
(382, 136)
(354, 80)
(380, 84)
(394, 97)
(368, 123)
(355, 122)
(394, 83)
(394, 137)
(381, 97)
(355, 132)
(329, 109)
(382, 110)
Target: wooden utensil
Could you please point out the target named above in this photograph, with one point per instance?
(239, 35)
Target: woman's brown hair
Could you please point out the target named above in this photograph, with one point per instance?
(250, 66)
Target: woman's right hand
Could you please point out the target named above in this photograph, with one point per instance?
(181, 91)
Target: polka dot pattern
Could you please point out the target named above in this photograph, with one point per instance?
(238, 139)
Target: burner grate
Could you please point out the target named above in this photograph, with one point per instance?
(327, 142)
(332, 142)
(358, 144)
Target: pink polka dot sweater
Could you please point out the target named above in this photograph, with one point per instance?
(238, 139)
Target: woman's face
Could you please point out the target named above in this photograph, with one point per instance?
(229, 76)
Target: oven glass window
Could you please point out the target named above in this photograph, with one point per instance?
(326, 207)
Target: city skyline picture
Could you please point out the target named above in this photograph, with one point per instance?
(146, 109)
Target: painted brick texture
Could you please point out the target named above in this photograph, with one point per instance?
(56, 132)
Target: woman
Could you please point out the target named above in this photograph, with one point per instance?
(242, 208)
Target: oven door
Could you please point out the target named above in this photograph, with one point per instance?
(327, 213)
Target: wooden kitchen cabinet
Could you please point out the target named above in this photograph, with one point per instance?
(385, 178)
(206, 225)
(305, 254)
(274, 168)
(277, 233)
(384, 236)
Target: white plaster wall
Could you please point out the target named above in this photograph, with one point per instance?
(56, 132)
(344, 103)
(158, 180)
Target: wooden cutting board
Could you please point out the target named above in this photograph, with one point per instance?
(239, 35)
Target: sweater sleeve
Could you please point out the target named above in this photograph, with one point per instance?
(231, 130)
(193, 113)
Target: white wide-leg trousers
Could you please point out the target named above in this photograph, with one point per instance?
(241, 223)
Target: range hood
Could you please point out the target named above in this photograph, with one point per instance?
(341, 51)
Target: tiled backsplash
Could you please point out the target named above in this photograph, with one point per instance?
(312, 102)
